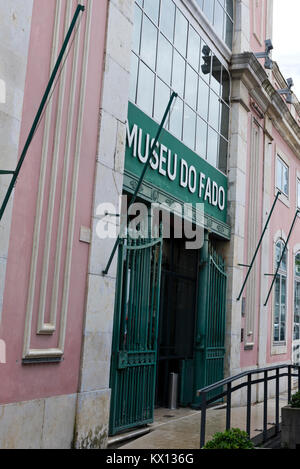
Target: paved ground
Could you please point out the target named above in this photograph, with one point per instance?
(180, 429)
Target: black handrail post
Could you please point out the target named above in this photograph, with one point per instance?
(228, 407)
(277, 402)
(265, 406)
(289, 383)
(203, 419)
(248, 428)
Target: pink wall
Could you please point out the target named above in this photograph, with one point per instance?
(24, 382)
(258, 18)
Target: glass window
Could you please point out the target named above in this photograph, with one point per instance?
(170, 55)
(203, 96)
(191, 87)
(189, 127)
(176, 118)
(194, 42)
(167, 18)
(201, 137)
(178, 75)
(220, 14)
(208, 9)
(205, 62)
(216, 74)
(133, 76)
(212, 147)
(181, 27)
(151, 8)
(282, 176)
(149, 43)
(214, 110)
(164, 59)
(219, 19)
(137, 29)
(162, 96)
(280, 298)
(296, 334)
(145, 89)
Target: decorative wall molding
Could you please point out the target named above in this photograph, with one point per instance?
(66, 193)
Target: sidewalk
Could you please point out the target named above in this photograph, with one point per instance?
(180, 429)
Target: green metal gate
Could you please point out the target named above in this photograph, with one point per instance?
(216, 320)
(211, 323)
(134, 348)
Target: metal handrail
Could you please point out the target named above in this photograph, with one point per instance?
(205, 400)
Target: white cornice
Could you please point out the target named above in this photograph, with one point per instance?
(247, 68)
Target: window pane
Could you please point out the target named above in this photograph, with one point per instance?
(193, 48)
(151, 7)
(145, 89)
(223, 155)
(229, 7)
(176, 119)
(285, 175)
(214, 107)
(297, 265)
(164, 59)
(208, 9)
(162, 96)
(133, 77)
(283, 309)
(178, 73)
(189, 126)
(203, 99)
(224, 127)
(229, 31)
(279, 174)
(205, 62)
(212, 147)
(191, 85)
(149, 43)
(219, 19)
(225, 86)
(167, 18)
(137, 29)
(181, 26)
(277, 310)
(216, 74)
(201, 138)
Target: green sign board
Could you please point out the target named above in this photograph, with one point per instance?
(175, 171)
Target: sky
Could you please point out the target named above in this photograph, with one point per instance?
(286, 40)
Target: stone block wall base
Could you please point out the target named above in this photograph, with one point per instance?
(39, 424)
(92, 417)
(290, 428)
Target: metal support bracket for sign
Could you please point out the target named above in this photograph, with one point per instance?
(146, 165)
(80, 8)
(282, 254)
(258, 246)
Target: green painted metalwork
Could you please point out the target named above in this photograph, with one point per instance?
(210, 327)
(79, 9)
(134, 350)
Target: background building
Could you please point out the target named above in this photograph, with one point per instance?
(89, 354)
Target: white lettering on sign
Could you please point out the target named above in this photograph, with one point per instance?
(171, 166)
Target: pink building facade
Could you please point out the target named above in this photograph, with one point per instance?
(58, 334)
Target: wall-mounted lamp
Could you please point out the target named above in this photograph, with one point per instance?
(287, 91)
(266, 55)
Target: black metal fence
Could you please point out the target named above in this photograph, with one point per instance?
(278, 372)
